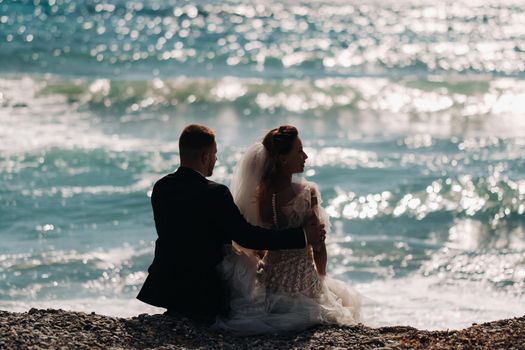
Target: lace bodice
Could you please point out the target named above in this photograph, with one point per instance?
(293, 271)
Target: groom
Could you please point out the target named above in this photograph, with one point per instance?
(194, 218)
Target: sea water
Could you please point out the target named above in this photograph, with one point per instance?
(412, 114)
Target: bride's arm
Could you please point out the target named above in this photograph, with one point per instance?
(320, 258)
(319, 249)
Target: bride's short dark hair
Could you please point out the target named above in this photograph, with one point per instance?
(194, 139)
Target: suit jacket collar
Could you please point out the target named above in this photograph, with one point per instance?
(189, 173)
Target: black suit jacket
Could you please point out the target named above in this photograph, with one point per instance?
(194, 218)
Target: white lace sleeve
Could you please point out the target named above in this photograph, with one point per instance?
(310, 194)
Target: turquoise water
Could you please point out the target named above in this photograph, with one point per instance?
(412, 115)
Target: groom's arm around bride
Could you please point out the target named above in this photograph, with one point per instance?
(194, 218)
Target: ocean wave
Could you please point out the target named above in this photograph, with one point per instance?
(59, 273)
(450, 106)
(450, 305)
(100, 259)
(35, 119)
(493, 198)
(141, 186)
(41, 113)
(473, 251)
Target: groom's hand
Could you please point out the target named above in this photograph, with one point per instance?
(315, 232)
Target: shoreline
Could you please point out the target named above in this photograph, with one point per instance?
(56, 328)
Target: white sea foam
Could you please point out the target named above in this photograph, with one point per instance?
(104, 306)
(32, 122)
(38, 114)
(101, 258)
(426, 299)
(428, 303)
(415, 301)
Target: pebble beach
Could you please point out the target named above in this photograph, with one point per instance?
(59, 329)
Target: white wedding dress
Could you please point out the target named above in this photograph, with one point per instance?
(281, 292)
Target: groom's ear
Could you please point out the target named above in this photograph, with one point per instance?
(204, 156)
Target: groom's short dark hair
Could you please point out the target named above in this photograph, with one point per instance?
(194, 139)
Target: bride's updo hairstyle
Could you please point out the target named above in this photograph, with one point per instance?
(277, 142)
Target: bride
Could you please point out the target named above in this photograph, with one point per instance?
(285, 289)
